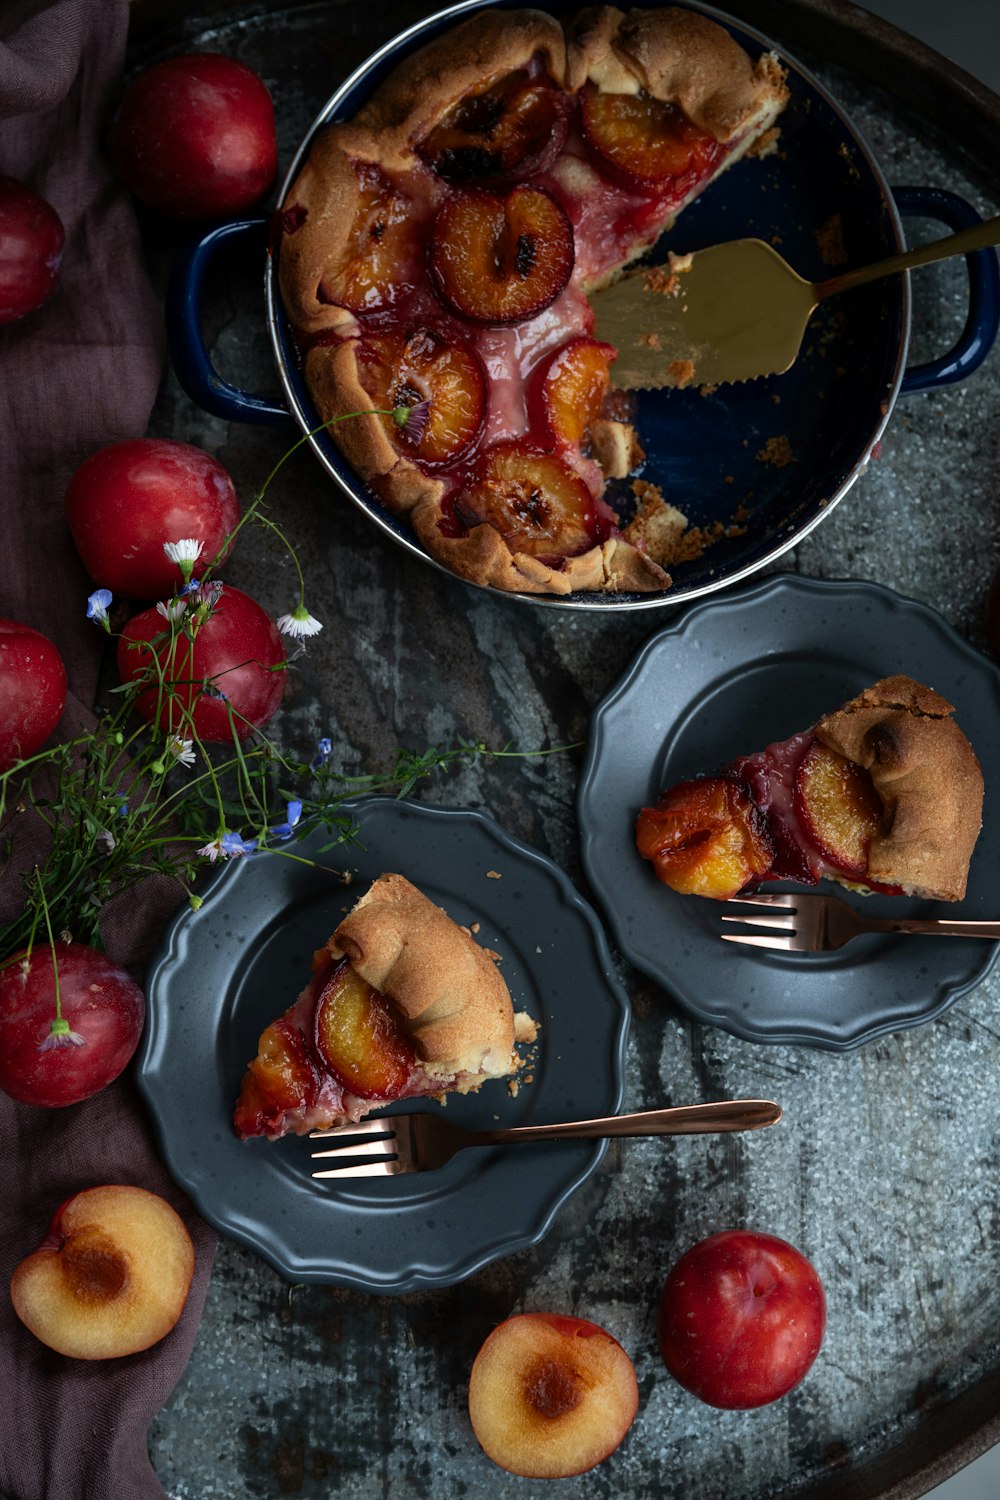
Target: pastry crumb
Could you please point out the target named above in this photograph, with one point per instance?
(681, 372)
(830, 241)
(493, 875)
(525, 1027)
(777, 452)
(767, 144)
(475, 927)
(656, 526)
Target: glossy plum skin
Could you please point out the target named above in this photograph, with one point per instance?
(102, 1004)
(32, 691)
(236, 649)
(741, 1319)
(128, 498)
(194, 137)
(31, 249)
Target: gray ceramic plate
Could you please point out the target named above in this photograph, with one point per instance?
(732, 677)
(226, 971)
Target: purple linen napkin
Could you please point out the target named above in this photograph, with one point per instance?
(80, 372)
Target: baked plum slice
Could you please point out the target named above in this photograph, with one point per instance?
(359, 1037)
(501, 258)
(538, 504)
(511, 128)
(281, 1077)
(644, 142)
(706, 837)
(400, 368)
(839, 807)
(373, 271)
(569, 387)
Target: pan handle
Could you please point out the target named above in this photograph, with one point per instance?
(188, 353)
(983, 321)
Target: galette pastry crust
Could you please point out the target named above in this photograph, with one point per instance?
(928, 778)
(448, 990)
(673, 55)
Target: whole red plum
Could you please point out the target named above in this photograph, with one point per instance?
(741, 1319)
(32, 691)
(128, 498)
(236, 651)
(194, 137)
(104, 1009)
(31, 247)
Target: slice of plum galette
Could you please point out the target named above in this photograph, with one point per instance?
(436, 251)
(885, 794)
(401, 1002)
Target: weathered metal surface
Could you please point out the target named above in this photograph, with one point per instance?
(884, 1168)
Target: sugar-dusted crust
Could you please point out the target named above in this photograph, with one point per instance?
(447, 988)
(928, 777)
(672, 54)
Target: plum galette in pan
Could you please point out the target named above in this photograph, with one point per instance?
(436, 252)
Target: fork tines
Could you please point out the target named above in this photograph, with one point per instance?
(779, 917)
(367, 1149)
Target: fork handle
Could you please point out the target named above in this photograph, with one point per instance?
(941, 928)
(683, 1119)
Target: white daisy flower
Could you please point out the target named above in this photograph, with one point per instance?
(181, 750)
(299, 623)
(186, 550)
(172, 610)
(185, 554)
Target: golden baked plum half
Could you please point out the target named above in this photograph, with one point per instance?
(501, 258)
(402, 368)
(706, 837)
(372, 273)
(359, 1037)
(839, 807)
(538, 504)
(645, 142)
(569, 388)
(509, 129)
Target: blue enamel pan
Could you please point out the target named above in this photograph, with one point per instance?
(721, 457)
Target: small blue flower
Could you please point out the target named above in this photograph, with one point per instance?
(283, 831)
(211, 691)
(231, 845)
(324, 749)
(97, 607)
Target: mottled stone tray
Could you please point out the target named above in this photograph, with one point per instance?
(884, 1168)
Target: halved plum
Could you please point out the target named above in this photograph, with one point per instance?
(400, 368)
(373, 270)
(538, 504)
(839, 807)
(706, 837)
(645, 142)
(569, 388)
(512, 127)
(501, 258)
(359, 1036)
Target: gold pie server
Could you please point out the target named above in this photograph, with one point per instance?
(734, 311)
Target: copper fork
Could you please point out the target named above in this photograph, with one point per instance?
(818, 924)
(397, 1144)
